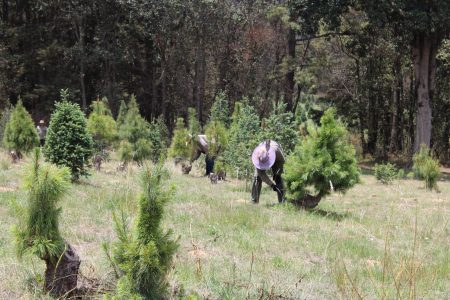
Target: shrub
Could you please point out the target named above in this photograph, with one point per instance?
(219, 110)
(194, 125)
(136, 131)
(216, 134)
(68, 143)
(180, 146)
(426, 168)
(143, 257)
(280, 126)
(121, 114)
(101, 125)
(20, 133)
(385, 173)
(243, 138)
(38, 233)
(324, 160)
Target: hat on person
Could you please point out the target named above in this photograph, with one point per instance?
(41, 122)
(263, 157)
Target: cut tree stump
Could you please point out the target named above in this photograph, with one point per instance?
(61, 275)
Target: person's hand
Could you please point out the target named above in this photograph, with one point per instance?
(276, 189)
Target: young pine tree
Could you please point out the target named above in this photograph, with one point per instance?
(180, 146)
(20, 133)
(219, 110)
(121, 115)
(324, 160)
(38, 233)
(426, 168)
(144, 256)
(280, 126)
(243, 138)
(194, 125)
(68, 142)
(101, 125)
(135, 130)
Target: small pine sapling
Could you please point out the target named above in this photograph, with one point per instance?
(136, 131)
(180, 147)
(143, 257)
(321, 162)
(102, 127)
(20, 134)
(68, 142)
(38, 233)
(426, 168)
(243, 138)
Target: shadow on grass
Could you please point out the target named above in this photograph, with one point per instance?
(332, 215)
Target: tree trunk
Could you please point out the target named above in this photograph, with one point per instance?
(424, 50)
(199, 84)
(61, 275)
(396, 92)
(289, 78)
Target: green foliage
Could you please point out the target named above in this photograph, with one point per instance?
(280, 126)
(194, 125)
(243, 138)
(121, 115)
(426, 168)
(216, 134)
(219, 110)
(125, 152)
(68, 143)
(144, 256)
(20, 133)
(38, 229)
(385, 173)
(101, 125)
(137, 132)
(180, 146)
(4, 119)
(323, 159)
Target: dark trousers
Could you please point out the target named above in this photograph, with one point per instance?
(257, 185)
(42, 142)
(209, 161)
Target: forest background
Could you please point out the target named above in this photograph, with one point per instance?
(384, 65)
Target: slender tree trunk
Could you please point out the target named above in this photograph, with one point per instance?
(199, 81)
(424, 55)
(289, 78)
(395, 105)
(61, 274)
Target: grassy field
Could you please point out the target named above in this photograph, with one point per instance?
(375, 242)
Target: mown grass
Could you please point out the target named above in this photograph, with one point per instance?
(375, 242)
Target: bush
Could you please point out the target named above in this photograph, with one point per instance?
(385, 173)
(101, 125)
(20, 133)
(194, 125)
(68, 143)
(323, 160)
(243, 138)
(180, 146)
(280, 126)
(143, 257)
(137, 132)
(121, 114)
(38, 233)
(219, 110)
(216, 134)
(426, 168)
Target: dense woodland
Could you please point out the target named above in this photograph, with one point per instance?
(385, 65)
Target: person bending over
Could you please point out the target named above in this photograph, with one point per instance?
(268, 155)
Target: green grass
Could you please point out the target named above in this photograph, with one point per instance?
(376, 241)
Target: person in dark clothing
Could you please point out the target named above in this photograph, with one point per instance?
(202, 147)
(42, 132)
(268, 155)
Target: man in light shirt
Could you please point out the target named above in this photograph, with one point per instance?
(42, 132)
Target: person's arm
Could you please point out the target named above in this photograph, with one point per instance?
(263, 175)
(196, 155)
